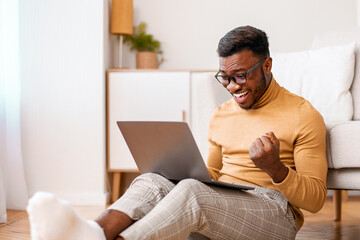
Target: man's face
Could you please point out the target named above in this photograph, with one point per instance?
(248, 93)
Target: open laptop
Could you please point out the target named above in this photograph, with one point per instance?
(168, 149)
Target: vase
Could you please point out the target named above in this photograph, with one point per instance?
(146, 60)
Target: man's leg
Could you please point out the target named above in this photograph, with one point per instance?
(143, 195)
(217, 213)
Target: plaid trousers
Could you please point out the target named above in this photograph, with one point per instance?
(191, 209)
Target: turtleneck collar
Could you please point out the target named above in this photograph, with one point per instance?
(269, 95)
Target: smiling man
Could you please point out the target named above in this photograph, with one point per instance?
(245, 95)
(264, 136)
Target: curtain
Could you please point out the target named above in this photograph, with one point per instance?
(13, 190)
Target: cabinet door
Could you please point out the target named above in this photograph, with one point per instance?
(143, 96)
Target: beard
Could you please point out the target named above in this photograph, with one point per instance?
(259, 91)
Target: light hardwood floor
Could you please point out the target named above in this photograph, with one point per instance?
(317, 226)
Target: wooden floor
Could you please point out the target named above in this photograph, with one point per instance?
(317, 226)
(321, 225)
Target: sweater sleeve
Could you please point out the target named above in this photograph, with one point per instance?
(305, 186)
(214, 160)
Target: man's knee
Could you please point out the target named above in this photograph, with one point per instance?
(149, 176)
(192, 185)
(152, 180)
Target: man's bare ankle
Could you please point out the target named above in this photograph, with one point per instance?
(114, 222)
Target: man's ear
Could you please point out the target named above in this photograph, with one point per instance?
(267, 65)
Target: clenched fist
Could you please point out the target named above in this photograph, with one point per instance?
(264, 152)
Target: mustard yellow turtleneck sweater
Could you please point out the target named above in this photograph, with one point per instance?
(301, 132)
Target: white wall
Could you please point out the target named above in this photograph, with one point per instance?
(64, 55)
(358, 12)
(190, 29)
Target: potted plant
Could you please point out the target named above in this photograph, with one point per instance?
(147, 48)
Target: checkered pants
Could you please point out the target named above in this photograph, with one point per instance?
(191, 209)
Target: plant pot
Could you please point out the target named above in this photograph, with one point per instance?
(146, 60)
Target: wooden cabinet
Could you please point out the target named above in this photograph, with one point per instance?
(141, 95)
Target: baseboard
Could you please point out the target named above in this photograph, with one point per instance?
(354, 193)
(84, 198)
(350, 192)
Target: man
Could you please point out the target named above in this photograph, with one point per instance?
(264, 136)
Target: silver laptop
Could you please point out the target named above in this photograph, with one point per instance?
(168, 149)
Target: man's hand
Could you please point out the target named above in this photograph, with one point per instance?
(264, 152)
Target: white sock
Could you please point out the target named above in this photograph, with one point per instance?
(54, 219)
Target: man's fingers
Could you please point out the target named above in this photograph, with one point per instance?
(256, 150)
(263, 144)
(258, 142)
(266, 141)
(272, 137)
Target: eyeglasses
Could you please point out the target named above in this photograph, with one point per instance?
(239, 78)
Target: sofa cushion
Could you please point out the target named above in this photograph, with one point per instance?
(343, 144)
(322, 76)
(345, 36)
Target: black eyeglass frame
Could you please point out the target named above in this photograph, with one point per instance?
(232, 77)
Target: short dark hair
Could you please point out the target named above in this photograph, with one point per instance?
(244, 38)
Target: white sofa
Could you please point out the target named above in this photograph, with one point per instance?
(343, 138)
(329, 77)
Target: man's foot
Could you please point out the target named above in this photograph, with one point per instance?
(54, 219)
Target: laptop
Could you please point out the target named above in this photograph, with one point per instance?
(168, 149)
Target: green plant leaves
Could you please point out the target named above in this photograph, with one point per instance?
(141, 41)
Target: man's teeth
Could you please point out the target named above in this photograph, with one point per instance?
(240, 94)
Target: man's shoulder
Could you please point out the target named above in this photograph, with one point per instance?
(294, 100)
(225, 111)
(302, 108)
(227, 106)
(284, 93)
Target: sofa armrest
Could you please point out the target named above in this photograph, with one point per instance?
(342, 144)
